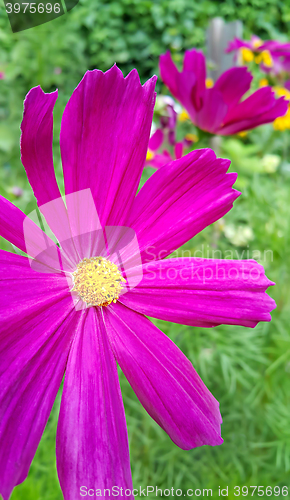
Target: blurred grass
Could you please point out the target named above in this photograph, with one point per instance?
(247, 370)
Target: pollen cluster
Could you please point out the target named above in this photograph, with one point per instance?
(97, 281)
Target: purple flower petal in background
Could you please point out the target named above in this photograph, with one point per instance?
(272, 55)
(213, 109)
(253, 44)
(77, 307)
(156, 140)
(267, 110)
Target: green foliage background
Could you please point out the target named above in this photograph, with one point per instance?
(247, 370)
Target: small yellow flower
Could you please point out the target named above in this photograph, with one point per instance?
(278, 124)
(243, 133)
(247, 54)
(191, 137)
(149, 155)
(183, 116)
(263, 82)
(257, 43)
(282, 122)
(281, 91)
(265, 58)
(209, 83)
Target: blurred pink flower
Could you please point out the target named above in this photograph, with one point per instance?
(165, 106)
(272, 55)
(253, 44)
(219, 109)
(157, 160)
(280, 54)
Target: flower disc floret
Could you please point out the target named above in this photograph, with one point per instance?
(98, 281)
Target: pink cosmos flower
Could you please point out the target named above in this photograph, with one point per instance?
(280, 55)
(254, 44)
(273, 56)
(219, 110)
(43, 336)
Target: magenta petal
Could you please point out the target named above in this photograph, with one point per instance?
(194, 63)
(275, 47)
(178, 150)
(11, 223)
(22, 232)
(213, 111)
(25, 292)
(257, 103)
(164, 379)
(179, 200)
(260, 107)
(181, 85)
(237, 43)
(36, 155)
(186, 82)
(36, 144)
(92, 444)
(15, 267)
(169, 74)
(203, 292)
(11, 228)
(233, 84)
(156, 140)
(33, 357)
(104, 139)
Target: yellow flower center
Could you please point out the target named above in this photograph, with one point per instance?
(97, 281)
(257, 43)
(247, 54)
(265, 58)
(281, 91)
(263, 82)
(282, 122)
(191, 137)
(209, 83)
(149, 155)
(183, 116)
